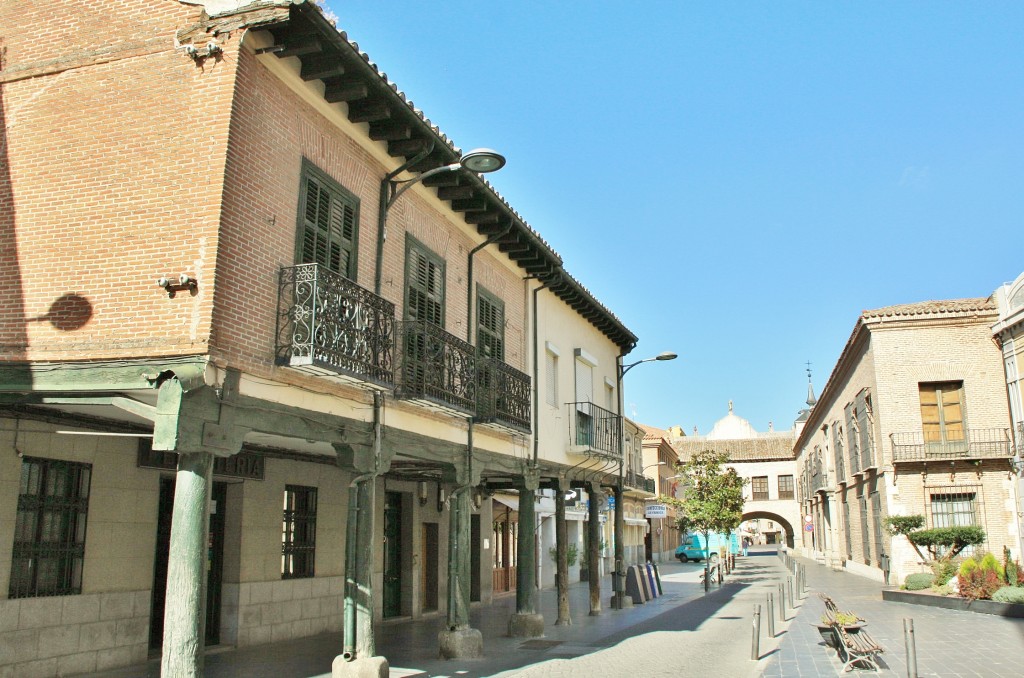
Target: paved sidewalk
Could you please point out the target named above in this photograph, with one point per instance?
(654, 639)
(949, 643)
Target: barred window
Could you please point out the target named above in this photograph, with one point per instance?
(298, 533)
(955, 507)
(328, 222)
(49, 531)
(759, 486)
(785, 487)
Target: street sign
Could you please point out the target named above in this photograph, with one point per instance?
(656, 511)
(809, 528)
(808, 518)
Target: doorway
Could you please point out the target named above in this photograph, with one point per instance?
(392, 593)
(430, 567)
(214, 563)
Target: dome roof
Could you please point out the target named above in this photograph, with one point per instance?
(732, 427)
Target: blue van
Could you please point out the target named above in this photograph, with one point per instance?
(694, 547)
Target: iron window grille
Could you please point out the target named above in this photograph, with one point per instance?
(876, 526)
(49, 531)
(837, 446)
(864, 533)
(955, 506)
(298, 532)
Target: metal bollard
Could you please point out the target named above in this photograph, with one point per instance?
(755, 642)
(908, 639)
(792, 592)
(771, 615)
(782, 602)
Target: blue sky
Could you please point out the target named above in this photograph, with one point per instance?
(736, 181)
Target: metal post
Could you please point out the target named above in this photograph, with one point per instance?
(792, 592)
(908, 639)
(771, 615)
(755, 647)
(782, 602)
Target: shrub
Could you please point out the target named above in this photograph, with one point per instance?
(944, 570)
(1009, 594)
(942, 589)
(967, 567)
(979, 584)
(571, 552)
(844, 618)
(989, 563)
(918, 581)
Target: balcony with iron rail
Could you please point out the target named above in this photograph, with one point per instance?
(637, 481)
(331, 327)
(972, 444)
(435, 369)
(594, 431)
(503, 396)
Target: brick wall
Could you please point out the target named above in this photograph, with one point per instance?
(114, 151)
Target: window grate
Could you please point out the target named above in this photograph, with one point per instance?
(49, 531)
(298, 532)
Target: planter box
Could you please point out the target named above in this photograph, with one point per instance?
(1015, 610)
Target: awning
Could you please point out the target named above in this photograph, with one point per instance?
(636, 521)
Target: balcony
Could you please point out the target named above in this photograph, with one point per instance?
(819, 482)
(435, 368)
(637, 481)
(594, 431)
(331, 327)
(984, 443)
(503, 395)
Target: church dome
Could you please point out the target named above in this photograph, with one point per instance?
(732, 427)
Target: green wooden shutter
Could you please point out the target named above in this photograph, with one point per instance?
(329, 224)
(490, 326)
(425, 286)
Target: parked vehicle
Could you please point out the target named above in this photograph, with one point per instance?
(695, 548)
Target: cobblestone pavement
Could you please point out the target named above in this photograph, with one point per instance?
(683, 632)
(949, 643)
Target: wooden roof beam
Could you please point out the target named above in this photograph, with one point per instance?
(327, 65)
(389, 130)
(348, 89)
(470, 205)
(368, 110)
(406, 148)
(482, 217)
(455, 192)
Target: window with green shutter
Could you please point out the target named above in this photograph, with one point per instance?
(424, 284)
(490, 325)
(328, 223)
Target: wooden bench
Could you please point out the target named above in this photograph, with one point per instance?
(854, 648)
(831, 610)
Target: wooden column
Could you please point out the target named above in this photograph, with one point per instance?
(594, 548)
(562, 558)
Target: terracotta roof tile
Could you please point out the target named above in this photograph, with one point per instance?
(944, 306)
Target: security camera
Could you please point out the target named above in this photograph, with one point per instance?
(184, 279)
(163, 282)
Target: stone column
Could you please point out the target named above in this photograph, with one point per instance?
(458, 640)
(185, 609)
(526, 623)
(594, 548)
(562, 557)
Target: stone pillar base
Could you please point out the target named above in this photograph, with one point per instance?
(526, 625)
(370, 667)
(461, 644)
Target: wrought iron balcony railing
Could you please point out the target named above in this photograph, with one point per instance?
(330, 326)
(594, 430)
(503, 395)
(637, 481)
(819, 481)
(840, 469)
(983, 443)
(435, 368)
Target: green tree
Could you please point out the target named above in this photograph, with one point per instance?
(712, 499)
(943, 543)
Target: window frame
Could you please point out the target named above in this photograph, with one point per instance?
(336, 192)
(758, 495)
(69, 548)
(411, 243)
(483, 296)
(551, 377)
(290, 521)
(944, 437)
(787, 493)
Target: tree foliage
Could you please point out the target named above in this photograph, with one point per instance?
(942, 543)
(713, 498)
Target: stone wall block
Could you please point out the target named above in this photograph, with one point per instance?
(114, 657)
(260, 592)
(38, 612)
(72, 664)
(97, 635)
(117, 605)
(282, 591)
(58, 640)
(42, 668)
(321, 586)
(279, 632)
(19, 646)
(249, 617)
(141, 601)
(300, 628)
(10, 610)
(259, 635)
(291, 610)
(271, 613)
(131, 631)
(310, 608)
(302, 588)
(80, 609)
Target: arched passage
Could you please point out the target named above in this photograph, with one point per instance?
(774, 517)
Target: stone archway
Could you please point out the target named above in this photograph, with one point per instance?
(775, 517)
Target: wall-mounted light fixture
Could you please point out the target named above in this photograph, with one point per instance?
(421, 492)
(441, 498)
(185, 282)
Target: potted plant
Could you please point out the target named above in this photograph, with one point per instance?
(849, 621)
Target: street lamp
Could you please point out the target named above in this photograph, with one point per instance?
(479, 160)
(619, 576)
